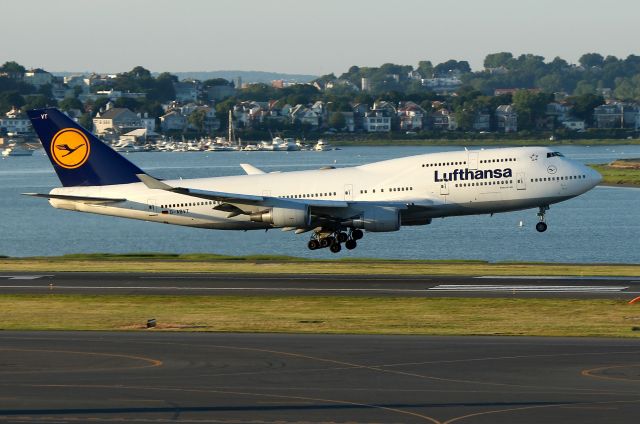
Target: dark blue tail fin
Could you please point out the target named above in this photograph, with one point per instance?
(79, 157)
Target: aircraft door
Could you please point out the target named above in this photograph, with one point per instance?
(152, 208)
(348, 192)
(472, 163)
(444, 188)
(520, 181)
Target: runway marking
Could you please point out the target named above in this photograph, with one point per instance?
(24, 277)
(295, 278)
(151, 363)
(525, 288)
(263, 395)
(553, 277)
(593, 373)
(156, 288)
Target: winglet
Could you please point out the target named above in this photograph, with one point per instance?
(152, 183)
(251, 170)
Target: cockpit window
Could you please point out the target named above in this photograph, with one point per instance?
(554, 154)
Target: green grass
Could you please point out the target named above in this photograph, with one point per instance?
(618, 176)
(203, 263)
(330, 315)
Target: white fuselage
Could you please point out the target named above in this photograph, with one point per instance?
(432, 185)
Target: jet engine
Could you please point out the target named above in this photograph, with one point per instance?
(284, 217)
(378, 219)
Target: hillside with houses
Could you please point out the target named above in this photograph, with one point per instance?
(511, 97)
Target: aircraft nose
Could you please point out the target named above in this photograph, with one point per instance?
(595, 177)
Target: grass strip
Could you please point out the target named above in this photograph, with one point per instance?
(329, 315)
(202, 263)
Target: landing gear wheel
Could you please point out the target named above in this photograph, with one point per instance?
(541, 227)
(335, 247)
(350, 244)
(313, 244)
(342, 237)
(356, 234)
(325, 242)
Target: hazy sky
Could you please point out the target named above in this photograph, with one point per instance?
(301, 36)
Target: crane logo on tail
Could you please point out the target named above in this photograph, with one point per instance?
(70, 148)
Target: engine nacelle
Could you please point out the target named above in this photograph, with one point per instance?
(284, 217)
(378, 219)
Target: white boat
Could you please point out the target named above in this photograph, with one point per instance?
(17, 150)
(279, 145)
(321, 146)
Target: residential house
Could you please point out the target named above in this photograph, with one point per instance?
(116, 120)
(442, 85)
(38, 77)
(574, 124)
(377, 120)
(15, 122)
(482, 121)
(411, 116)
(443, 120)
(506, 118)
(173, 120)
(617, 115)
(187, 91)
(306, 115)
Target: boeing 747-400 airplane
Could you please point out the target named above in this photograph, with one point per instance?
(335, 204)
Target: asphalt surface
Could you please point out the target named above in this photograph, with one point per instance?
(319, 285)
(71, 377)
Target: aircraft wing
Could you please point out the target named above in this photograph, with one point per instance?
(83, 199)
(251, 199)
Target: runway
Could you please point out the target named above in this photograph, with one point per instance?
(319, 285)
(70, 377)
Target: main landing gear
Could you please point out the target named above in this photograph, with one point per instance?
(542, 226)
(334, 240)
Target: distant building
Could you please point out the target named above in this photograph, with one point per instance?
(38, 77)
(186, 91)
(116, 120)
(617, 115)
(574, 124)
(173, 121)
(15, 122)
(411, 116)
(443, 85)
(506, 118)
(443, 120)
(482, 122)
(219, 92)
(377, 120)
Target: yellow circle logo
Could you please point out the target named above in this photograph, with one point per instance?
(70, 148)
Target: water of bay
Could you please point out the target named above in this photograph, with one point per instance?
(602, 225)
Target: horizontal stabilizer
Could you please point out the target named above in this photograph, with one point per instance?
(83, 199)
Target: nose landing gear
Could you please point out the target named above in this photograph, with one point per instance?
(542, 226)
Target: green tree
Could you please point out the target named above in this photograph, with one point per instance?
(197, 119)
(337, 121)
(13, 69)
(496, 60)
(531, 108)
(583, 105)
(38, 102)
(70, 103)
(589, 60)
(425, 68)
(10, 99)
